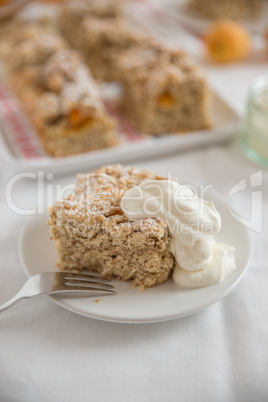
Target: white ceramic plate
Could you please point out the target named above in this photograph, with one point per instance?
(165, 302)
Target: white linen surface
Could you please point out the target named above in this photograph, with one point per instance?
(219, 354)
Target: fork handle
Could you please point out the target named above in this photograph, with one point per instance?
(11, 302)
(24, 293)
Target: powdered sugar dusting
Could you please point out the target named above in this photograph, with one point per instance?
(98, 197)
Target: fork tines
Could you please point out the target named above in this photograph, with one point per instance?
(85, 282)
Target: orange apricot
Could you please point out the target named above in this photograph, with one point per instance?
(227, 41)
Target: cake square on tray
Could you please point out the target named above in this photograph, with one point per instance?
(163, 91)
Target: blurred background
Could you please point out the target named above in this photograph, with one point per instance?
(227, 41)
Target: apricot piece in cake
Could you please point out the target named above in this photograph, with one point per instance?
(77, 119)
(166, 100)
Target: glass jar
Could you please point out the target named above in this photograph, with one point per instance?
(254, 134)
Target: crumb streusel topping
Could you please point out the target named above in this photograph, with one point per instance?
(100, 192)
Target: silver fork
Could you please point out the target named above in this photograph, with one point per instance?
(48, 283)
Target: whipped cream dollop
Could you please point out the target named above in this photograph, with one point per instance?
(192, 223)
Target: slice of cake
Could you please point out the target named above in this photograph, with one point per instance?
(28, 43)
(64, 105)
(163, 90)
(92, 232)
(234, 9)
(56, 90)
(102, 41)
(73, 13)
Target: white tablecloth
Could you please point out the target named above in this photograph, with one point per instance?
(219, 354)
